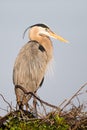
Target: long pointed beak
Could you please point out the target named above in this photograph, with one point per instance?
(52, 34)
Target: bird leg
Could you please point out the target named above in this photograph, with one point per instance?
(35, 106)
(25, 102)
(20, 105)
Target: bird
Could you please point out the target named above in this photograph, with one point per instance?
(32, 62)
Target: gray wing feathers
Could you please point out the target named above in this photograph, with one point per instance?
(30, 67)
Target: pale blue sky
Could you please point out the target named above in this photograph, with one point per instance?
(65, 17)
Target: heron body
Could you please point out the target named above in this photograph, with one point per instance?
(32, 61)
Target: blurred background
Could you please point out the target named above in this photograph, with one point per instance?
(67, 18)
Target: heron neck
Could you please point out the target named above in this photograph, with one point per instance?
(47, 44)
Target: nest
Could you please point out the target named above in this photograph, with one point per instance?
(74, 116)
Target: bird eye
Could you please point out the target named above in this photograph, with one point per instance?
(46, 29)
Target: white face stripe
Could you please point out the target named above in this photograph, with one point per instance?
(42, 31)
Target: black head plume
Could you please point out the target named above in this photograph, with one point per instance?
(39, 25)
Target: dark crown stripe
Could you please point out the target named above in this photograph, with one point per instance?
(41, 25)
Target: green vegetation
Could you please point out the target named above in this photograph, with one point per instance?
(74, 119)
(51, 122)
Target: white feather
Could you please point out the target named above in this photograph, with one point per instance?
(50, 68)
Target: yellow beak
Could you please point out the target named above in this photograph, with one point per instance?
(52, 34)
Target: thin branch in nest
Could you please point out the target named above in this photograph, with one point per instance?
(44, 108)
(74, 96)
(62, 103)
(40, 100)
(3, 109)
(6, 101)
(78, 100)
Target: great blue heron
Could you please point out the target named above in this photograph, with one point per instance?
(32, 61)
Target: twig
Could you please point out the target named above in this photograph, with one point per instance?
(3, 109)
(74, 95)
(44, 108)
(31, 93)
(62, 103)
(78, 100)
(6, 101)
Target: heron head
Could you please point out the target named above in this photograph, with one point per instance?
(44, 30)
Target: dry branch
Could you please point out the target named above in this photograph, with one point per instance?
(74, 96)
(6, 101)
(31, 93)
